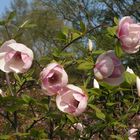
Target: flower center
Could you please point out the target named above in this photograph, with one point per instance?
(17, 55)
(53, 79)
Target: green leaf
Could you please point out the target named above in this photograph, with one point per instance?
(2, 22)
(4, 137)
(117, 137)
(118, 50)
(62, 36)
(75, 35)
(85, 65)
(99, 113)
(112, 30)
(83, 27)
(24, 24)
(130, 78)
(17, 77)
(27, 99)
(71, 118)
(110, 104)
(98, 52)
(116, 21)
(21, 134)
(91, 98)
(11, 16)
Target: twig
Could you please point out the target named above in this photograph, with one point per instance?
(8, 83)
(7, 117)
(80, 37)
(34, 122)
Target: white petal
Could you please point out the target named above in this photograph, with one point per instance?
(16, 66)
(5, 47)
(90, 45)
(75, 88)
(95, 84)
(59, 104)
(21, 48)
(46, 70)
(138, 85)
(132, 134)
(3, 65)
(82, 106)
(129, 70)
(64, 78)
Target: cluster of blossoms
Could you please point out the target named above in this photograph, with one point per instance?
(69, 98)
(16, 57)
(108, 67)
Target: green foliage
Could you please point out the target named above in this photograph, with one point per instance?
(60, 34)
(130, 78)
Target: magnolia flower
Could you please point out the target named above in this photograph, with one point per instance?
(129, 34)
(109, 69)
(53, 78)
(90, 45)
(72, 100)
(15, 57)
(95, 84)
(132, 134)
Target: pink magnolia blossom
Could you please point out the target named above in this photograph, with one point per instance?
(15, 57)
(72, 100)
(132, 134)
(109, 68)
(53, 78)
(129, 34)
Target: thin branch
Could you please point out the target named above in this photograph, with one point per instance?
(91, 30)
(7, 117)
(8, 83)
(34, 122)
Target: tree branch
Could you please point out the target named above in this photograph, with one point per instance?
(67, 45)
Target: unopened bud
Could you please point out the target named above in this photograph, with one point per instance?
(130, 70)
(90, 45)
(138, 85)
(95, 84)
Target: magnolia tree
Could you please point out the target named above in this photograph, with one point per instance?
(42, 102)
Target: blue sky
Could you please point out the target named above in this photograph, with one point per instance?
(3, 5)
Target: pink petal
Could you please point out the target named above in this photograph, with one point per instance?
(82, 106)
(5, 47)
(104, 66)
(60, 106)
(16, 66)
(46, 70)
(114, 81)
(3, 65)
(9, 55)
(124, 25)
(75, 88)
(134, 27)
(21, 48)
